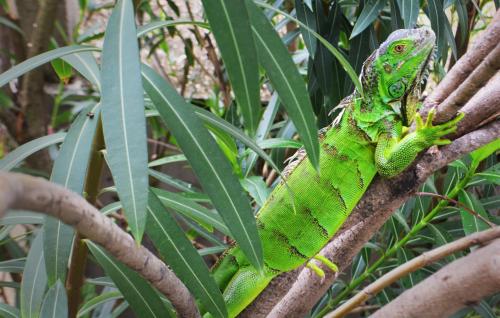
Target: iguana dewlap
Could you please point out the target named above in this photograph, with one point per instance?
(368, 139)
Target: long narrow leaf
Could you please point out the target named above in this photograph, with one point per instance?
(70, 169)
(212, 169)
(13, 158)
(231, 27)
(369, 13)
(55, 304)
(124, 125)
(141, 296)
(180, 254)
(86, 64)
(7, 311)
(98, 301)
(286, 80)
(34, 281)
(338, 55)
(32, 63)
(409, 12)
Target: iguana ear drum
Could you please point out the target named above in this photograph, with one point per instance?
(397, 89)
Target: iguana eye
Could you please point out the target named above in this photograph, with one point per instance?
(399, 48)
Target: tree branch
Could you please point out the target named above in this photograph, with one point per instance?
(484, 44)
(411, 266)
(461, 283)
(23, 192)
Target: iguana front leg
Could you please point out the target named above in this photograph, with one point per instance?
(396, 151)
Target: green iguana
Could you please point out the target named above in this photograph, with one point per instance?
(369, 137)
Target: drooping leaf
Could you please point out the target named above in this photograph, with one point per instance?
(305, 15)
(32, 63)
(182, 257)
(13, 265)
(7, 311)
(22, 217)
(155, 25)
(257, 188)
(409, 12)
(471, 223)
(34, 281)
(370, 12)
(231, 27)
(55, 304)
(15, 157)
(212, 169)
(95, 302)
(123, 120)
(190, 209)
(70, 169)
(141, 296)
(286, 80)
(437, 17)
(85, 63)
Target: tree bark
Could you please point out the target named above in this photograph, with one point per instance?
(462, 283)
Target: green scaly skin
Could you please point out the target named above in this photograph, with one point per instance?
(370, 138)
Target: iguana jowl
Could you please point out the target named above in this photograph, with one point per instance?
(369, 138)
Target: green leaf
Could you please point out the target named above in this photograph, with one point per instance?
(438, 20)
(191, 209)
(13, 158)
(95, 302)
(209, 164)
(141, 296)
(287, 81)
(86, 64)
(155, 25)
(485, 151)
(124, 124)
(8, 23)
(7, 311)
(182, 257)
(55, 304)
(167, 159)
(306, 16)
(272, 143)
(409, 12)
(62, 69)
(13, 265)
(471, 223)
(212, 120)
(340, 57)
(22, 217)
(231, 27)
(34, 62)
(369, 13)
(257, 188)
(34, 280)
(70, 169)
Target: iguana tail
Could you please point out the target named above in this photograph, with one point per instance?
(240, 282)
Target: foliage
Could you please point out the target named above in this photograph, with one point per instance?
(131, 115)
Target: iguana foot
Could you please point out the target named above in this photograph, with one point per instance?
(318, 271)
(432, 133)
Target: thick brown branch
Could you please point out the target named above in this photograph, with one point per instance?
(483, 45)
(18, 191)
(486, 70)
(413, 265)
(462, 283)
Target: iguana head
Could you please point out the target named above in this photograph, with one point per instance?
(394, 71)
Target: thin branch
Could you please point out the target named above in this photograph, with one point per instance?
(460, 204)
(461, 283)
(423, 260)
(23, 192)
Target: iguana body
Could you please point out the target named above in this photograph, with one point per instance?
(368, 139)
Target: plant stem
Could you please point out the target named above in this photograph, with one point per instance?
(79, 256)
(415, 230)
